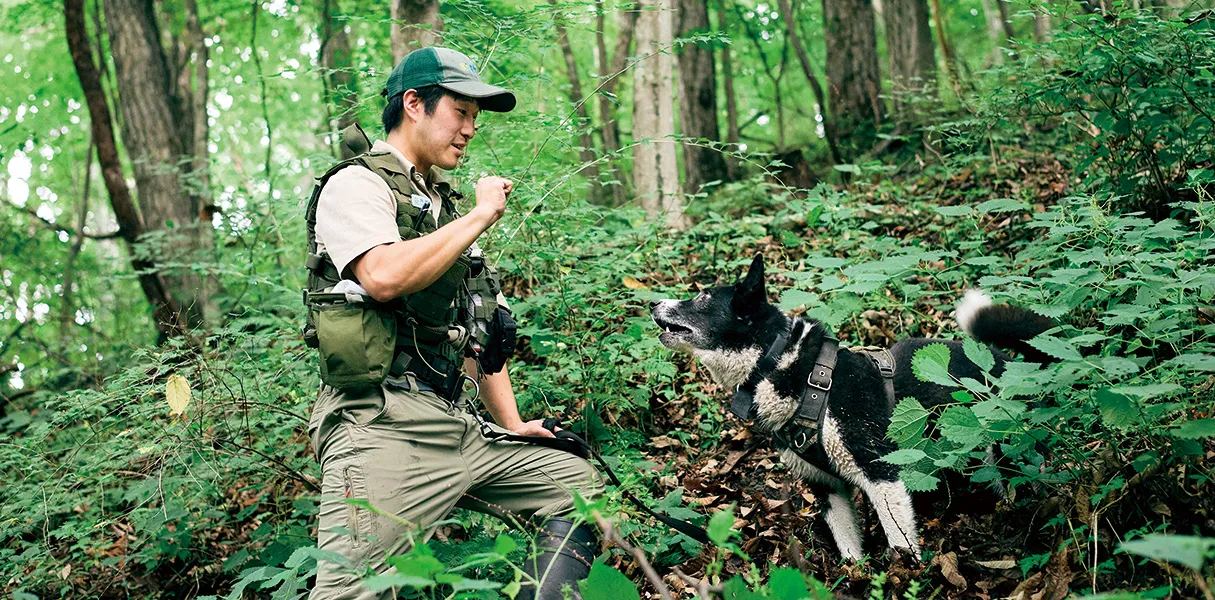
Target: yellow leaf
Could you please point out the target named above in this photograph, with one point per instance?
(177, 391)
(633, 284)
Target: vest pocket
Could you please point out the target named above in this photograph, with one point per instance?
(432, 306)
(356, 344)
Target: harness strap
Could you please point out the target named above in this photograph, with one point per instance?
(884, 361)
(743, 404)
(800, 432)
(571, 442)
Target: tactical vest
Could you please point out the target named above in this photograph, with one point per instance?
(361, 341)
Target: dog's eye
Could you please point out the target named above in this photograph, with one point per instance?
(702, 297)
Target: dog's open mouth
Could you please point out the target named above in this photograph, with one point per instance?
(672, 332)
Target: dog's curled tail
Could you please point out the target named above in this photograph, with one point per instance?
(1002, 325)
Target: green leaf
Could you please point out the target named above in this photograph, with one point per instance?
(721, 525)
(793, 299)
(736, 589)
(908, 422)
(906, 456)
(1144, 392)
(505, 544)
(1055, 347)
(1194, 362)
(1117, 410)
(1195, 430)
(1000, 205)
(953, 211)
(1189, 550)
(787, 584)
(960, 425)
(979, 354)
(916, 481)
(930, 364)
(848, 169)
(997, 410)
(380, 583)
(606, 583)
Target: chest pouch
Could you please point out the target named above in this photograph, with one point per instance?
(356, 340)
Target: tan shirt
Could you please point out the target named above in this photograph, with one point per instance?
(357, 211)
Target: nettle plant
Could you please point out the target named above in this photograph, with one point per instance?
(1133, 361)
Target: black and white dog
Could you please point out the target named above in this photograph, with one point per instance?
(734, 331)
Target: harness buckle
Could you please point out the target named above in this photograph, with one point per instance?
(827, 388)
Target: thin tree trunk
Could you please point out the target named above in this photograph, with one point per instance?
(1041, 25)
(586, 154)
(951, 63)
(727, 76)
(803, 58)
(909, 47)
(853, 79)
(415, 24)
(166, 312)
(609, 69)
(153, 136)
(698, 99)
(655, 171)
(67, 307)
(341, 91)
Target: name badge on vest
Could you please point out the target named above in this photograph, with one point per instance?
(420, 202)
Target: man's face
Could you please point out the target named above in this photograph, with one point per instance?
(442, 138)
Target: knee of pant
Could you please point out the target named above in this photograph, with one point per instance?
(586, 482)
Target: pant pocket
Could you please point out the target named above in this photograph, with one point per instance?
(358, 519)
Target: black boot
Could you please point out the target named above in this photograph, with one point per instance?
(564, 554)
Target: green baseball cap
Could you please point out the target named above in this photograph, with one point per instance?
(450, 70)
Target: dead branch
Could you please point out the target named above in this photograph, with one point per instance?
(610, 535)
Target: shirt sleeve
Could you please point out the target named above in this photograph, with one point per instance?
(355, 213)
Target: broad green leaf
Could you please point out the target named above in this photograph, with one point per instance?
(1117, 410)
(997, 410)
(793, 299)
(380, 583)
(720, 526)
(1189, 550)
(905, 456)
(907, 423)
(916, 481)
(1055, 347)
(1144, 392)
(737, 589)
(1195, 362)
(1194, 430)
(979, 354)
(1000, 205)
(505, 544)
(930, 364)
(960, 425)
(606, 583)
(787, 584)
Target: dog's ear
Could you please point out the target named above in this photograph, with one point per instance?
(751, 293)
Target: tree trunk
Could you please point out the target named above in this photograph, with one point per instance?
(415, 24)
(727, 76)
(342, 95)
(803, 58)
(153, 134)
(852, 68)
(609, 70)
(655, 172)
(586, 154)
(999, 28)
(909, 47)
(698, 99)
(1041, 25)
(166, 312)
(951, 63)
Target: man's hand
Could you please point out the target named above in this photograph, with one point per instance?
(491, 195)
(532, 428)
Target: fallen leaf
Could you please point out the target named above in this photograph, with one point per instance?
(177, 392)
(633, 284)
(949, 568)
(997, 564)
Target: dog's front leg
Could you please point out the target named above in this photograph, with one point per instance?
(835, 503)
(893, 505)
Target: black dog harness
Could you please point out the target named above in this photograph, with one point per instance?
(801, 431)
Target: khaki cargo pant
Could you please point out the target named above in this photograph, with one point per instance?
(414, 455)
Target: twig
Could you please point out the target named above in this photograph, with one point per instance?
(703, 589)
(610, 535)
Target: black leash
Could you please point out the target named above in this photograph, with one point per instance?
(568, 441)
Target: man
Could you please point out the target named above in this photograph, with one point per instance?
(392, 271)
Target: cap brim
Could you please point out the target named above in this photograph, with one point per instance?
(489, 97)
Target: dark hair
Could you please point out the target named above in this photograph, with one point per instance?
(430, 95)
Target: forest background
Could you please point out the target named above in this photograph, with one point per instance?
(884, 155)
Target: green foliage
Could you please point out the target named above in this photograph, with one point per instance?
(1187, 550)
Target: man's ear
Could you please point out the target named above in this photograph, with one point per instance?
(751, 293)
(412, 107)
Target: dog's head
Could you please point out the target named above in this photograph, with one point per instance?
(723, 318)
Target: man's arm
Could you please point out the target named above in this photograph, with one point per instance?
(498, 396)
(407, 266)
